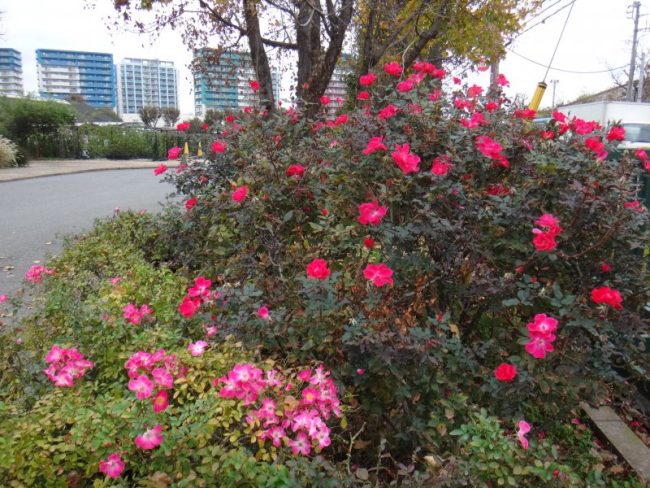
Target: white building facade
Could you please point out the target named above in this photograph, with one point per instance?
(11, 73)
(222, 81)
(337, 89)
(145, 82)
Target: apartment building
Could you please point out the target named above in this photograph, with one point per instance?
(338, 87)
(221, 82)
(11, 73)
(86, 75)
(145, 82)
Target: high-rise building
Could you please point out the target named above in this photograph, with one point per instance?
(146, 82)
(65, 74)
(338, 87)
(11, 73)
(221, 82)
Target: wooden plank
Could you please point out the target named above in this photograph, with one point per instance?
(619, 435)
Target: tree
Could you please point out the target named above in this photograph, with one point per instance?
(195, 125)
(306, 27)
(20, 118)
(437, 30)
(170, 115)
(150, 115)
(213, 117)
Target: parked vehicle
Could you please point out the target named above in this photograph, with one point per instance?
(634, 117)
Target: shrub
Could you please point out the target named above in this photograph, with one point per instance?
(457, 269)
(488, 454)
(23, 117)
(8, 153)
(67, 431)
(471, 263)
(112, 142)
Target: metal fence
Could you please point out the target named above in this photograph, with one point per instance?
(110, 142)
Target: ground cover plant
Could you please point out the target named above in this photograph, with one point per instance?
(416, 292)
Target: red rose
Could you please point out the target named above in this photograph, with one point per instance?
(607, 296)
(605, 267)
(218, 147)
(616, 133)
(393, 69)
(367, 80)
(296, 170)
(189, 306)
(318, 269)
(505, 372)
(189, 205)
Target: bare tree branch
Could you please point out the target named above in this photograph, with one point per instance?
(220, 18)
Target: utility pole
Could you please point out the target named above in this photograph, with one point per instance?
(642, 78)
(630, 82)
(554, 82)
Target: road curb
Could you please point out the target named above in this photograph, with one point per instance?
(42, 171)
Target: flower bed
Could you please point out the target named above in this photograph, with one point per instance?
(338, 312)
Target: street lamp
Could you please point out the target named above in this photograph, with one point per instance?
(554, 82)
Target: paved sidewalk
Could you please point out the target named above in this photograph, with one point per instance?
(37, 169)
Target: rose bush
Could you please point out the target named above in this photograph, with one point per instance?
(426, 256)
(92, 399)
(489, 221)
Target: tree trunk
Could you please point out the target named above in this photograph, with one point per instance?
(309, 52)
(367, 49)
(315, 67)
(425, 37)
(258, 55)
(372, 51)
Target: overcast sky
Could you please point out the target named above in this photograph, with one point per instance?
(598, 37)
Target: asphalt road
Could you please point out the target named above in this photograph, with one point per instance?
(35, 214)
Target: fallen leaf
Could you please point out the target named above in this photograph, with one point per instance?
(362, 474)
(617, 469)
(360, 444)
(454, 330)
(432, 463)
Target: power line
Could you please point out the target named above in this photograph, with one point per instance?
(537, 14)
(567, 70)
(547, 17)
(548, 68)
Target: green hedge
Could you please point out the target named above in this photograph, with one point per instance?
(110, 142)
